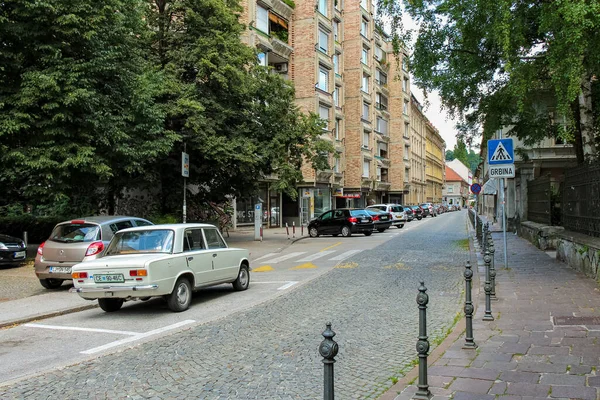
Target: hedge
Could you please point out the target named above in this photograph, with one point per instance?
(38, 228)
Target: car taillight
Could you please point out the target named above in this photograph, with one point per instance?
(41, 249)
(94, 248)
(352, 219)
(138, 272)
(390, 216)
(375, 217)
(79, 275)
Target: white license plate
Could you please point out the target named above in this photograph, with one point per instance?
(60, 270)
(19, 254)
(115, 278)
(364, 220)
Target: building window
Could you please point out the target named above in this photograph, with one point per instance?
(337, 167)
(382, 102)
(450, 189)
(337, 129)
(405, 109)
(324, 115)
(365, 111)
(406, 151)
(336, 30)
(382, 126)
(366, 169)
(378, 174)
(336, 96)
(366, 138)
(365, 83)
(323, 79)
(365, 56)
(262, 19)
(336, 63)
(405, 85)
(364, 28)
(262, 59)
(323, 7)
(382, 150)
(337, 4)
(379, 55)
(406, 130)
(404, 64)
(381, 77)
(323, 41)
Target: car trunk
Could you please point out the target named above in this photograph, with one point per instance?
(65, 252)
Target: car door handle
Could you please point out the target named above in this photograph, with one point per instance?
(190, 258)
(214, 255)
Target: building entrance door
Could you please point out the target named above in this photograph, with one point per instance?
(304, 210)
(274, 212)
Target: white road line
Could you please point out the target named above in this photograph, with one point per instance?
(283, 258)
(73, 328)
(317, 255)
(288, 285)
(137, 337)
(269, 282)
(345, 255)
(266, 255)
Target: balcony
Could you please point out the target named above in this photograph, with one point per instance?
(279, 7)
(281, 48)
(383, 186)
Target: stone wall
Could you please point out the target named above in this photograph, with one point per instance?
(579, 251)
(542, 236)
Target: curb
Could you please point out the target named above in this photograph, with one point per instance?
(49, 314)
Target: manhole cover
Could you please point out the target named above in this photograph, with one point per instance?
(576, 320)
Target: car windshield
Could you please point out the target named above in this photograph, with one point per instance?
(137, 242)
(70, 233)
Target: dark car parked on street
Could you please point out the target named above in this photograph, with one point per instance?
(381, 219)
(12, 250)
(418, 212)
(342, 221)
(409, 214)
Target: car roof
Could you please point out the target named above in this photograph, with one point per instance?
(168, 226)
(101, 219)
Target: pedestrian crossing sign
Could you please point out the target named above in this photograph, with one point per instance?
(500, 151)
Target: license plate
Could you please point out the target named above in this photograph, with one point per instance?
(384, 218)
(116, 278)
(60, 270)
(19, 254)
(364, 220)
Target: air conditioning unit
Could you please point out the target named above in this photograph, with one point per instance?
(281, 67)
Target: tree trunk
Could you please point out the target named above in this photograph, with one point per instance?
(578, 142)
(110, 201)
(586, 118)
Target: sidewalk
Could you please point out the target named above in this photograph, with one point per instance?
(58, 302)
(543, 343)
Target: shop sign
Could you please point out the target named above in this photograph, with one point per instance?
(306, 193)
(339, 192)
(351, 196)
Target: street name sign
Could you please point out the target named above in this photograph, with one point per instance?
(500, 151)
(502, 171)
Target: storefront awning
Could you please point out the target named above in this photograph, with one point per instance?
(490, 187)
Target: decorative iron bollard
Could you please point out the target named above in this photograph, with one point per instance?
(328, 350)
(423, 392)
(492, 269)
(469, 341)
(488, 288)
(484, 237)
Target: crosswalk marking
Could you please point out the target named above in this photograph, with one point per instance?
(345, 255)
(316, 255)
(266, 255)
(283, 258)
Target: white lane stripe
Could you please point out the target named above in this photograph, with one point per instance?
(266, 255)
(137, 337)
(283, 258)
(288, 285)
(317, 255)
(345, 255)
(73, 328)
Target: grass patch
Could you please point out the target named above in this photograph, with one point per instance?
(463, 244)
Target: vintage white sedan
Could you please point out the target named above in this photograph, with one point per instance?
(161, 260)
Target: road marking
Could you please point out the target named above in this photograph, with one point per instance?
(137, 337)
(265, 256)
(264, 268)
(333, 245)
(73, 328)
(345, 255)
(287, 286)
(304, 266)
(320, 254)
(283, 258)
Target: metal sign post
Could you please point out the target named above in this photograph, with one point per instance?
(501, 160)
(185, 172)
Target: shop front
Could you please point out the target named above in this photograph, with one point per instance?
(350, 199)
(271, 207)
(314, 201)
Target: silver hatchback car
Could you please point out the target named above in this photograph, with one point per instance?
(395, 210)
(74, 241)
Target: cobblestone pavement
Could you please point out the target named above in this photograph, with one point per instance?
(19, 282)
(270, 351)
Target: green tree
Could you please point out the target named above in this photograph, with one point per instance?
(449, 155)
(239, 122)
(527, 64)
(460, 152)
(76, 100)
(473, 160)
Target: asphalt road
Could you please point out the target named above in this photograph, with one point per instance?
(265, 345)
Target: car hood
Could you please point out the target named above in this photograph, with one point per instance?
(119, 261)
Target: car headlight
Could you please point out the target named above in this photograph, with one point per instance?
(3, 246)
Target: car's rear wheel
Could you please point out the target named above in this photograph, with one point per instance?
(313, 232)
(400, 226)
(243, 279)
(181, 296)
(110, 305)
(368, 233)
(381, 230)
(345, 231)
(51, 283)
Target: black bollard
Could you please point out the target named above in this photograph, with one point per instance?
(488, 288)
(423, 392)
(328, 350)
(469, 341)
(484, 237)
(492, 269)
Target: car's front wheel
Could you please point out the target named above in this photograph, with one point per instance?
(368, 233)
(243, 279)
(400, 226)
(181, 296)
(51, 283)
(110, 305)
(380, 230)
(313, 232)
(345, 231)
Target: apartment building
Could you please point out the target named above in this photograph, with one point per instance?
(435, 149)
(417, 158)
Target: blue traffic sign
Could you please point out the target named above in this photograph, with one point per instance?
(476, 188)
(500, 151)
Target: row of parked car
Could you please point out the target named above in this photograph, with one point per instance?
(377, 217)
